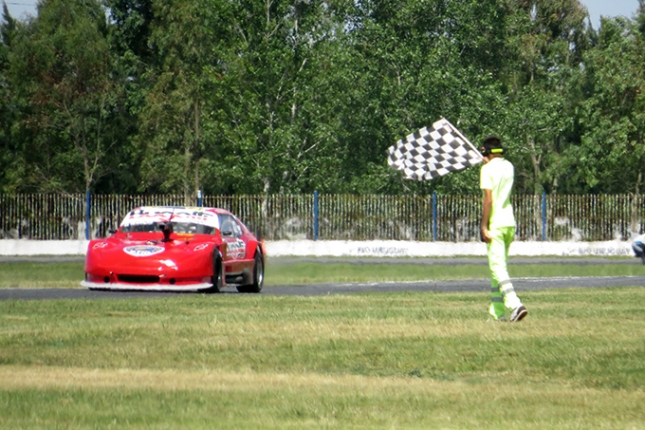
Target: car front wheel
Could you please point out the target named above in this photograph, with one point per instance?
(218, 273)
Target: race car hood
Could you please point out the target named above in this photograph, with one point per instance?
(138, 255)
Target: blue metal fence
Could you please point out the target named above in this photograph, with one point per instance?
(452, 218)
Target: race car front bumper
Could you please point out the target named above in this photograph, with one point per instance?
(113, 286)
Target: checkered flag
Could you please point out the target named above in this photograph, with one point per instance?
(431, 153)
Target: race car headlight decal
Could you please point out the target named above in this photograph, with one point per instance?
(168, 263)
(100, 245)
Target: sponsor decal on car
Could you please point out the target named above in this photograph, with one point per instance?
(236, 249)
(201, 246)
(151, 215)
(143, 250)
(100, 245)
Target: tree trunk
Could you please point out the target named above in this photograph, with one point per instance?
(535, 160)
(197, 144)
(187, 162)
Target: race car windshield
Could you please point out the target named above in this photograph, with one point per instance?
(177, 227)
(183, 220)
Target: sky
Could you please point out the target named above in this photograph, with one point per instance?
(597, 8)
(606, 8)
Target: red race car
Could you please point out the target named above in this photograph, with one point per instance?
(172, 248)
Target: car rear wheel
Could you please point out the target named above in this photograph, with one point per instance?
(218, 274)
(258, 276)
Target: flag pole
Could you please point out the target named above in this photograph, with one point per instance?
(463, 137)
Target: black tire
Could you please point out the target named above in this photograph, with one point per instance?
(218, 273)
(258, 276)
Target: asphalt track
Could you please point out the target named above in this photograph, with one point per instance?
(470, 285)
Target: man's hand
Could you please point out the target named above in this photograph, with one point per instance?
(485, 235)
(487, 208)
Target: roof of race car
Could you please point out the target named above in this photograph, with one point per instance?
(156, 214)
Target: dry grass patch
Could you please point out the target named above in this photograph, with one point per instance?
(400, 360)
(310, 400)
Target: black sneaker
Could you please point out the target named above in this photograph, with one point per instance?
(518, 313)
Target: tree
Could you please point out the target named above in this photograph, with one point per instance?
(61, 65)
(189, 42)
(611, 153)
(129, 32)
(416, 62)
(281, 96)
(546, 42)
(10, 153)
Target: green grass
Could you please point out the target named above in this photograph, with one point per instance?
(303, 273)
(40, 275)
(360, 361)
(69, 275)
(395, 360)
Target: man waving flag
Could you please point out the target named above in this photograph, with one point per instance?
(433, 152)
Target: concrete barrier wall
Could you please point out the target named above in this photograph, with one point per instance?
(443, 249)
(358, 249)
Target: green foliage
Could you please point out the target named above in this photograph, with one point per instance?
(612, 151)
(257, 97)
(9, 155)
(60, 68)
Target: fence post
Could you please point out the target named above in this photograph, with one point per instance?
(315, 215)
(543, 216)
(434, 216)
(199, 198)
(88, 206)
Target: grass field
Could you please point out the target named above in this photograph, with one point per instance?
(362, 361)
(69, 275)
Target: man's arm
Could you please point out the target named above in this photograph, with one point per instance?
(486, 210)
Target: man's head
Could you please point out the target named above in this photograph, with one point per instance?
(492, 147)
